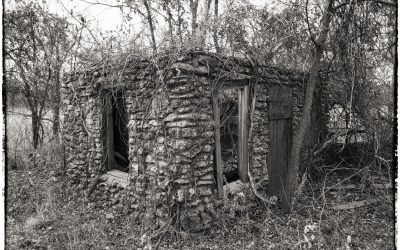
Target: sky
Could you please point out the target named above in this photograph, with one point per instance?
(105, 17)
(103, 22)
(108, 21)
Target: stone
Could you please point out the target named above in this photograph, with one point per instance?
(149, 158)
(164, 183)
(187, 116)
(148, 136)
(208, 148)
(181, 124)
(204, 190)
(180, 195)
(181, 181)
(207, 134)
(207, 182)
(187, 67)
(161, 212)
(173, 168)
(202, 164)
(163, 164)
(194, 203)
(187, 109)
(182, 159)
(109, 216)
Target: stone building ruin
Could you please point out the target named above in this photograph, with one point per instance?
(156, 135)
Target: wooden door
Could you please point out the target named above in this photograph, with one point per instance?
(243, 134)
(109, 131)
(280, 135)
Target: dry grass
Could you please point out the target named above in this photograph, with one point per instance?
(42, 213)
(19, 136)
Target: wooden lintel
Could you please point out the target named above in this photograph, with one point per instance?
(224, 85)
(217, 137)
(109, 132)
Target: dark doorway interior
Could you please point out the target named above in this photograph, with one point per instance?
(120, 130)
(116, 131)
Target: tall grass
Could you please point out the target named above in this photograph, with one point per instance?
(19, 136)
(41, 212)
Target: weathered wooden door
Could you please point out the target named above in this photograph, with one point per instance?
(109, 131)
(280, 135)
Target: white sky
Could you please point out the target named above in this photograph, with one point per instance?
(107, 18)
(110, 20)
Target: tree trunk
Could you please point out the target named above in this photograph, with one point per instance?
(57, 97)
(180, 23)
(35, 129)
(150, 20)
(193, 7)
(56, 112)
(215, 32)
(205, 24)
(170, 26)
(293, 169)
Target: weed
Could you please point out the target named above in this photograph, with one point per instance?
(41, 212)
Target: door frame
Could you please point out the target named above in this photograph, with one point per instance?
(243, 88)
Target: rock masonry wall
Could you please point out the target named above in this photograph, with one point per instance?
(171, 133)
(171, 150)
(81, 133)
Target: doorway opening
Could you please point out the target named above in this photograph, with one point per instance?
(231, 117)
(229, 131)
(116, 131)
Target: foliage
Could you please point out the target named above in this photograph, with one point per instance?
(360, 68)
(37, 44)
(41, 212)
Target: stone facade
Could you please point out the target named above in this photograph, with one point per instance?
(170, 129)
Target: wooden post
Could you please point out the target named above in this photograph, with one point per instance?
(217, 135)
(243, 133)
(109, 133)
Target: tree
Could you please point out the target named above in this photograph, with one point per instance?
(293, 169)
(349, 52)
(215, 29)
(362, 51)
(36, 46)
(151, 27)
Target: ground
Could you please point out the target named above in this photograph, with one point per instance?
(41, 214)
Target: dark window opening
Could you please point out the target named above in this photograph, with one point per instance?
(116, 132)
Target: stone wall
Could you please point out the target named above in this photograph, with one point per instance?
(171, 132)
(171, 150)
(81, 133)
